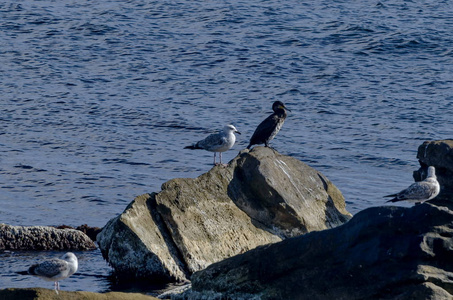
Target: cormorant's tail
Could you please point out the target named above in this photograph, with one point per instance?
(249, 146)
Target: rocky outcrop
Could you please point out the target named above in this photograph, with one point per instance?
(440, 155)
(261, 197)
(43, 238)
(381, 253)
(91, 232)
(46, 294)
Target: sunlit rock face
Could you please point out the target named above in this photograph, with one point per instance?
(261, 197)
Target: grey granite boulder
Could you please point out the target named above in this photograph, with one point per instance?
(381, 253)
(43, 238)
(261, 197)
(440, 155)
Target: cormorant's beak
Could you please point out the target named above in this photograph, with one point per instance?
(284, 107)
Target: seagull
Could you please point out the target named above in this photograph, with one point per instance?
(56, 269)
(269, 128)
(420, 191)
(218, 142)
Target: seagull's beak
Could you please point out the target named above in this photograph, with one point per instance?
(238, 132)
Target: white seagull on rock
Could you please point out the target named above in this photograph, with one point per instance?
(420, 191)
(56, 269)
(218, 142)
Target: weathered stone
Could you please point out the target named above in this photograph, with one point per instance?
(43, 238)
(46, 294)
(381, 253)
(137, 245)
(287, 196)
(261, 197)
(440, 155)
(91, 232)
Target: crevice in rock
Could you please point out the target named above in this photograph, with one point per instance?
(168, 238)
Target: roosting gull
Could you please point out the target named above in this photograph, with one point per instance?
(56, 269)
(218, 142)
(420, 191)
(269, 128)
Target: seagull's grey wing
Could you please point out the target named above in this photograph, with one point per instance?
(417, 191)
(50, 268)
(212, 142)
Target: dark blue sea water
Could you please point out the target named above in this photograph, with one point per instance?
(99, 98)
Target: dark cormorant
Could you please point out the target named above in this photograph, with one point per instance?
(269, 128)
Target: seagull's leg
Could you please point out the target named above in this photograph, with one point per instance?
(214, 158)
(56, 286)
(221, 160)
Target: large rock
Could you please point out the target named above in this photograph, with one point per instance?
(284, 194)
(261, 197)
(46, 294)
(381, 253)
(440, 155)
(43, 238)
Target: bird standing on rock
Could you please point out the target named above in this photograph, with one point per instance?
(420, 191)
(218, 142)
(269, 128)
(56, 269)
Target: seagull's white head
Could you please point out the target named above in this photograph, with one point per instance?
(72, 262)
(230, 128)
(69, 256)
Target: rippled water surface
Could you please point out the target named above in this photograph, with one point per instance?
(99, 98)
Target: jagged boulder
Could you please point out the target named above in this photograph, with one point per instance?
(261, 197)
(43, 238)
(440, 155)
(381, 253)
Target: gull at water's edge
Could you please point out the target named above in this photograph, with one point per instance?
(420, 191)
(56, 269)
(218, 142)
